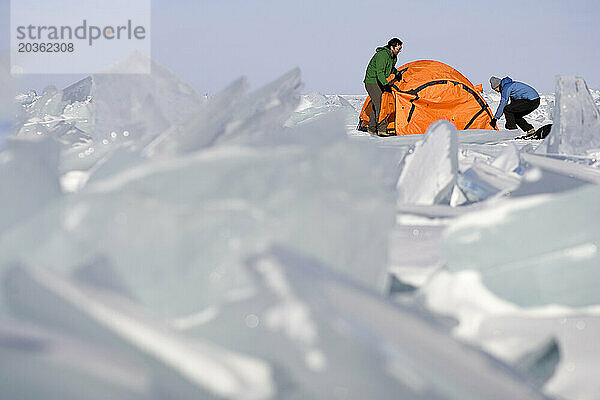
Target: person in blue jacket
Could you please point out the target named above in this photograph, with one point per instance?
(523, 100)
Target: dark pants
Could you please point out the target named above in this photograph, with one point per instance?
(516, 110)
(375, 91)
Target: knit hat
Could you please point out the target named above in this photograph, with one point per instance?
(495, 82)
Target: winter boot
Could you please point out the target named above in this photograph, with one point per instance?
(384, 133)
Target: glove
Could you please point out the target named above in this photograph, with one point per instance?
(390, 78)
(493, 123)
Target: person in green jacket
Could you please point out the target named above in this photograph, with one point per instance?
(380, 72)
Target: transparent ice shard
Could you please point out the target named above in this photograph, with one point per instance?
(191, 369)
(87, 153)
(71, 136)
(134, 102)
(101, 274)
(80, 115)
(570, 373)
(7, 96)
(179, 226)
(104, 107)
(533, 250)
(318, 100)
(26, 99)
(415, 252)
(50, 114)
(315, 99)
(234, 117)
(262, 111)
(310, 187)
(200, 129)
(482, 181)
(65, 118)
(429, 172)
(5, 128)
(576, 127)
(116, 162)
(79, 91)
(540, 364)
(458, 197)
(342, 102)
(511, 333)
(29, 176)
(124, 111)
(316, 104)
(509, 160)
(37, 362)
(473, 187)
(49, 104)
(409, 362)
(585, 173)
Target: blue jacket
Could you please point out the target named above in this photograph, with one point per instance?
(514, 90)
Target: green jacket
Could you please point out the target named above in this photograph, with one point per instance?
(381, 66)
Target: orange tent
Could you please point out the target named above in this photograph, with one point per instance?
(428, 91)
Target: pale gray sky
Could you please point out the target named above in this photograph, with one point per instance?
(211, 43)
